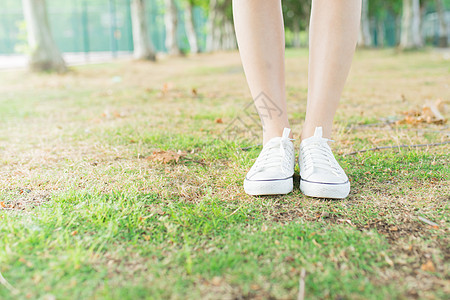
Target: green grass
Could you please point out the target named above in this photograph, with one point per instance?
(399, 167)
(75, 236)
(86, 213)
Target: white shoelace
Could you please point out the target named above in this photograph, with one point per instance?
(273, 154)
(317, 154)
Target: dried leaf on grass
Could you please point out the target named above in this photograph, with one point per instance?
(170, 90)
(7, 206)
(168, 156)
(165, 88)
(216, 281)
(428, 266)
(431, 112)
(113, 114)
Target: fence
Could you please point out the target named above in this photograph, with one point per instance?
(105, 25)
(88, 26)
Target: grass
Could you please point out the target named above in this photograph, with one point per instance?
(88, 214)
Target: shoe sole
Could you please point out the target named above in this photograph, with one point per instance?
(325, 190)
(269, 187)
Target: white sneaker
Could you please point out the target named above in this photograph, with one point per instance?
(273, 171)
(320, 174)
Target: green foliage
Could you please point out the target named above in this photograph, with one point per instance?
(22, 45)
(296, 12)
(200, 3)
(379, 8)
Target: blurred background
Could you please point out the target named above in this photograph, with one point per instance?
(49, 34)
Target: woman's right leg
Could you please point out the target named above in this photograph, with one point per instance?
(333, 33)
(260, 36)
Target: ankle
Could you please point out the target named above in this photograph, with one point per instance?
(269, 133)
(308, 131)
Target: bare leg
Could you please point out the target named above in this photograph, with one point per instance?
(260, 36)
(333, 35)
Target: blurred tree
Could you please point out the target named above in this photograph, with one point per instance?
(365, 38)
(44, 54)
(211, 43)
(220, 29)
(171, 21)
(143, 48)
(189, 24)
(296, 18)
(378, 11)
(443, 31)
(411, 36)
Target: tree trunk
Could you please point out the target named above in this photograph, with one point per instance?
(143, 49)
(307, 35)
(380, 33)
(410, 32)
(45, 55)
(422, 12)
(229, 39)
(443, 32)
(365, 38)
(398, 29)
(210, 38)
(220, 29)
(171, 20)
(190, 28)
(296, 32)
(416, 21)
(217, 34)
(306, 8)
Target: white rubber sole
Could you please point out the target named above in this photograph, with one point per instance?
(325, 190)
(268, 187)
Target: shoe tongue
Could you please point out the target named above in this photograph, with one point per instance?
(313, 139)
(275, 140)
(286, 132)
(318, 132)
(317, 137)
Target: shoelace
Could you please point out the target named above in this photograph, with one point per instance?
(273, 153)
(318, 155)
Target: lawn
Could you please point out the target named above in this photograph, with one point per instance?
(124, 181)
